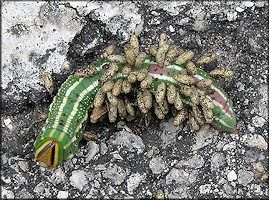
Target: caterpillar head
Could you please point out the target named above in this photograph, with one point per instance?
(48, 154)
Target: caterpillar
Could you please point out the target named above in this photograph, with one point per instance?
(68, 113)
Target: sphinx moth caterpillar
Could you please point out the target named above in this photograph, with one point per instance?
(68, 113)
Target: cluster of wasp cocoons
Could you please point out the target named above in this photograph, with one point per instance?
(112, 97)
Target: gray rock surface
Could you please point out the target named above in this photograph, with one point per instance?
(62, 36)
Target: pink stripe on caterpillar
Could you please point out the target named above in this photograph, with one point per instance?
(156, 69)
(217, 97)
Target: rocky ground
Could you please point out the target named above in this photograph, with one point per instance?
(60, 37)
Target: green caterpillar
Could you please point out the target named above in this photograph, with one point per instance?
(68, 113)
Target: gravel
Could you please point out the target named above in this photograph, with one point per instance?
(158, 160)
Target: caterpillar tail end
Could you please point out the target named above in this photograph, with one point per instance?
(48, 154)
(229, 130)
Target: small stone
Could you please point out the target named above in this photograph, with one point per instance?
(245, 177)
(229, 146)
(258, 166)
(148, 193)
(248, 4)
(228, 189)
(39, 188)
(232, 176)
(180, 192)
(126, 139)
(8, 123)
(23, 165)
(159, 194)
(133, 182)
(6, 194)
(62, 195)
(171, 28)
(184, 21)
(177, 175)
(103, 148)
(168, 126)
(115, 173)
(231, 16)
(111, 190)
(195, 162)
(79, 179)
(257, 141)
(217, 161)
(6, 180)
(157, 165)
(117, 156)
(66, 65)
(57, 177)
(258, 121)
(203, 137)
(240, 86)
(205, 189)
(239, 9)
(93, 149)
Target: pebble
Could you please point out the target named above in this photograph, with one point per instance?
(115, 173)
(41, 189)
(133, 182)
(157, 165)
(62, 195)
(159, 194)
(232, 176)
(168, 138)
(203, 137)
(66, 65)
(130, 140)
(148, 193)
(177, 175)
(230, 146)
(258, 166)
(111, 190)
(195, 162)
(248, 3)
(258, 121)
(171, 28)
(205, 189)
(93, 149)
(117, 156)
(57, 177)
(6, 194)
(231, 16)
(169, 127)
(239, 9)
(217, 160)
(181, 177)
(92, 193)
(257, 141)
(4, 158)
(6, 180)
(23, 165)
(240, 86)
(24, 194)
(178, 193)
(78, 179)
(184, 21)
(245, 177)
(8, 123)
(103, 148)
(228, 189)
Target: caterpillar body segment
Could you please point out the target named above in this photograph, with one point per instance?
(68, 113)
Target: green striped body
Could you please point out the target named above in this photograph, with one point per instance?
(68, 113)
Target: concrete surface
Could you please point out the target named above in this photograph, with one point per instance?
(60, 37)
